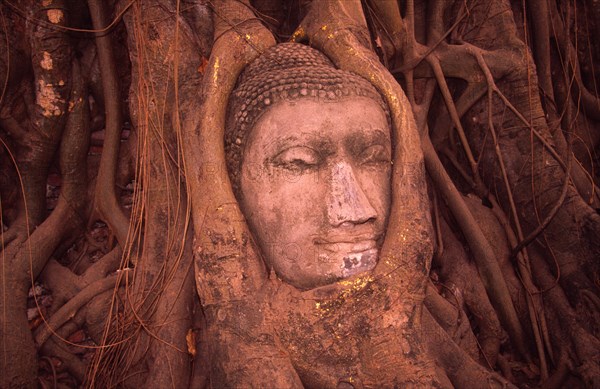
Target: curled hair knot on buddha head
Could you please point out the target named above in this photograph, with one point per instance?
(287, 71)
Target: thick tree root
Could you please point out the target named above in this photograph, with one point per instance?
(462, 370)
(27, 259)
(107, 204)
(463, 279)
(73, 305)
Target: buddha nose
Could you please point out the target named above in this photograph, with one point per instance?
(347, 202)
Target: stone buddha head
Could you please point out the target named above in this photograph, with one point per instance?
(309, 155)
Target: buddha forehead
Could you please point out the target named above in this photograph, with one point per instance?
(326, 127)
(286, 72)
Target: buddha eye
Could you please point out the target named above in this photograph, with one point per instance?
(374, 155)
(297, 159)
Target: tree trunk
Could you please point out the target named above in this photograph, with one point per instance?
(115, 198)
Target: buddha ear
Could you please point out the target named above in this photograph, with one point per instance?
(338, 28)
(228, 266)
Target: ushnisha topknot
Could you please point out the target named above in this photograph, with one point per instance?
(287, 71)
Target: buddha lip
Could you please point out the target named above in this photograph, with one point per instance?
(346, 239)
(350, 244)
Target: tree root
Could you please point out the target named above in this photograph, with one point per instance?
(462, 370)
(214, 207)
(456, 271)
(571, 338)
(484, 256)
(71, 362)
(588, 101)
(482, 252)
(215, 210)
(157, 306)
(65, 284)
(51, 58)
(28, 258)
(73, 305)
(452, 318)
(105, 198)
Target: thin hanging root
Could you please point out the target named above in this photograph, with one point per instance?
(387, 13)
(471, 95)
(538, 12)
(410, 86)
(491, 273)
(589, 101)
(533, 295)
(420, 52)
(556, 380)
(548, 147)
(444, 59)
(526, 122)
(559, 202)
(421, 110)
(492, 88)
(542, 226)
(52, 368)
(410, 20)
(533, 307)
(483, 254)
(436, 220)
(439, 75)
(445, 150)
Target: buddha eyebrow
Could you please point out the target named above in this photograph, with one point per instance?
(315, 141)
(359, 140)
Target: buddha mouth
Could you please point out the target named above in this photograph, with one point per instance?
(350, 244)
(349, 247)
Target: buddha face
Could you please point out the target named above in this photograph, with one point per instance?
(315, 188)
